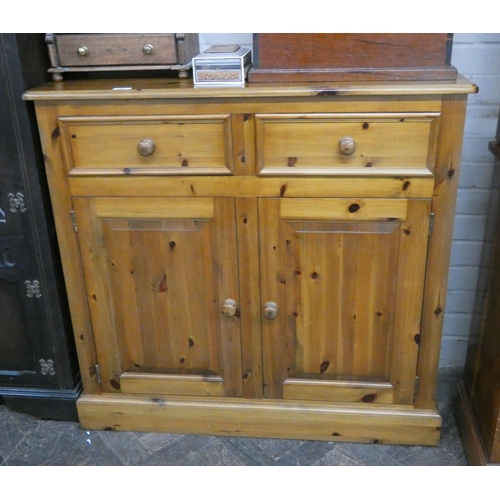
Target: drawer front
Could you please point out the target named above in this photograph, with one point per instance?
(116, 49)
(328, 144)
(183, 145)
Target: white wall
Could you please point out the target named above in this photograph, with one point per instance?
(476, 56)
(208, 39)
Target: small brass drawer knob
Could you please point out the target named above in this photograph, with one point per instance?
(270, 310)
(147, 49)
(83, 51)
(146, 147)
(347, 146)
(229, 308)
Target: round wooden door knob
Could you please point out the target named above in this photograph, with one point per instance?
(270, 310)
(229, 308)
(146, 147)
(347, 146)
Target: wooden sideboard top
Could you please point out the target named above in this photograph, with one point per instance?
(160, 88)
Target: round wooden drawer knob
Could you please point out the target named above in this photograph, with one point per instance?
(146, 147)
(347, 146)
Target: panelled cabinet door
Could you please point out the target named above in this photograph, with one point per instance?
(163, 293)
(342, 288)
(17, 349)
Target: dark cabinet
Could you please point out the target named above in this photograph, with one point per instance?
(478, 412)
(38, 366)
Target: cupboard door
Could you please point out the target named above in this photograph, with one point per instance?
(343, 280)
(163, 293)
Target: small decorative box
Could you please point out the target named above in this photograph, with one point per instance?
(222, 66)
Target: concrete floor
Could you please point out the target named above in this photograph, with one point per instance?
(27, 441)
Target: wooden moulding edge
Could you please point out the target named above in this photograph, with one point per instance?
(261, 419)
(286, 75)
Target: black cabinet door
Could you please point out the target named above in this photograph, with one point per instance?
(38, 366)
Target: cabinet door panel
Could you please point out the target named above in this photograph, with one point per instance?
(157, 274)
(348, 286)
(16, 353)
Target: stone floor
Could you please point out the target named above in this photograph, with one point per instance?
(27, 441)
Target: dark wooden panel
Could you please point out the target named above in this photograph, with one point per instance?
(351, 50)
(38, 367)
(284, 57)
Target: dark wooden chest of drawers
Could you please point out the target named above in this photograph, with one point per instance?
(77, 52)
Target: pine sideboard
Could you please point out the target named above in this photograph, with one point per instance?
(269, 261)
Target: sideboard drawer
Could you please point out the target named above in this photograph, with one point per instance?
(327, 144)
(185, 145)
